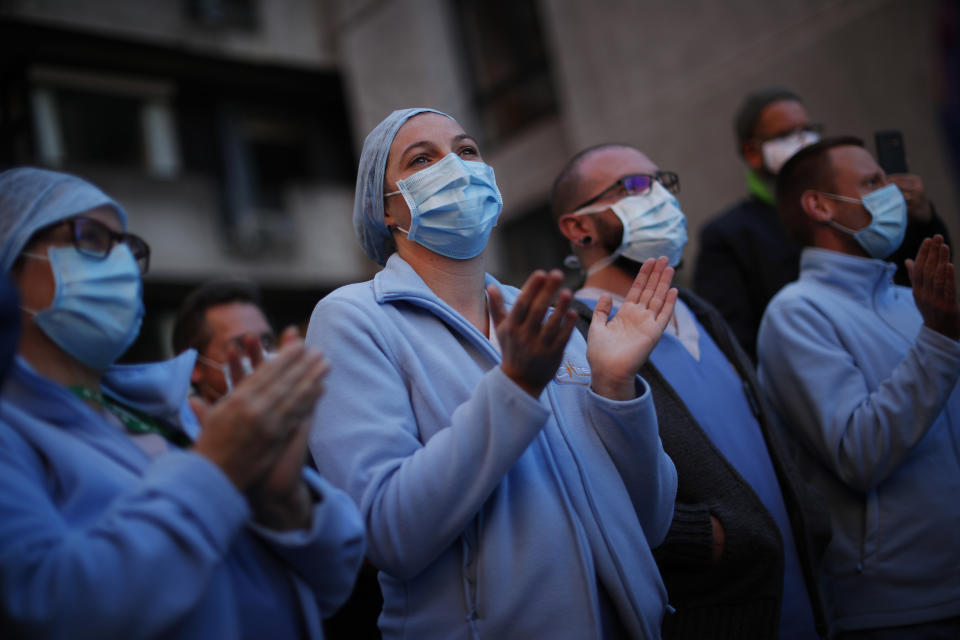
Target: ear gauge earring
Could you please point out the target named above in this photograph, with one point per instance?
(586, 241)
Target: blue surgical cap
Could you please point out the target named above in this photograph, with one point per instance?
(31, 199)
(368, 224)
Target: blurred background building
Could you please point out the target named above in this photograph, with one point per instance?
(230, 129)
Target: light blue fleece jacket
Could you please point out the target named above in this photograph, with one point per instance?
(872, 398)
(99, 541)
(490, 514)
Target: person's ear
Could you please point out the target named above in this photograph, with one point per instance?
(752, 152)
(579, 230)
(817, 206)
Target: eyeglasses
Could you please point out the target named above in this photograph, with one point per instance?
(95, 239)
(635, 185)
(814, 128)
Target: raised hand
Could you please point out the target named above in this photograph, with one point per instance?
(257, 434)
(934, 287)
(918, 207)
(618, 347)
(532, 349)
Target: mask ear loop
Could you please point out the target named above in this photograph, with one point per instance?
(837, 225)
(604, 262)
(396, 226)
(224, 368)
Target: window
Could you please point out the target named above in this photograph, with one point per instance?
(508, 64)
(263, 151)
(88, 119)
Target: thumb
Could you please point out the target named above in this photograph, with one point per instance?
(602, 311)
(908, 263)
(496, 305)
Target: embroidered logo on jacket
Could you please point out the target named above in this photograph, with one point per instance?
(570, 373)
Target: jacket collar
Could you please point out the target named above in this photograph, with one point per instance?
(158, 389)
(398, 281)
(862, 277)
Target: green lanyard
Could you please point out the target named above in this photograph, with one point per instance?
(134, 421)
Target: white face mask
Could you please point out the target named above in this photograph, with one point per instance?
(653, 226)
(776, 152)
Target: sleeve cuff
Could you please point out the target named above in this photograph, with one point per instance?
(299, 537)
(936, 340)
(614, 406)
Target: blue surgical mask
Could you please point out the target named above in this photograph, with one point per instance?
(97, 305)
(454, 205)
(888, 224)
(653, 226)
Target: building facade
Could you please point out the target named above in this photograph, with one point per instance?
(229, 129)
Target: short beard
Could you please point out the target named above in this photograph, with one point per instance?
(610, 238)
(628, 266)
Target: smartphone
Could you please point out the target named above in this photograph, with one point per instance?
(890, 152)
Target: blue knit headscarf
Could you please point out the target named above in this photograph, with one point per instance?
(31, 199)
(368, 224)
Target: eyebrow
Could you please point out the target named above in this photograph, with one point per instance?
(425, 143)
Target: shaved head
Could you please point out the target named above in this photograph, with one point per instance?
(578, 180)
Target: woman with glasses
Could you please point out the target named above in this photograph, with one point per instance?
(510, 475)
(119, 517)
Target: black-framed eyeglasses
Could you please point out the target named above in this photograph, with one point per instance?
(95, 239)
(813, 127)
(637, 184)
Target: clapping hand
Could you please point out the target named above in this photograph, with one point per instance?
(618, 347)
(911, 186)
(533, 349)
(934, 287)
(258, 434)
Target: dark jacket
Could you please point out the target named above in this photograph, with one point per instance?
(745, 257)
(739, 596)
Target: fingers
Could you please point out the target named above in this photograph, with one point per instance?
(666, 311)
(296, 405)
(542, 299)
(276, 378)
(640, 282)
(289, 335)
(949, 285)
(657, 284)
(555, 322)
(521, 306)
(601, 312)
(934, 258)
(496, 305)
(919, 265)
(253, 349)
(940, 266)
